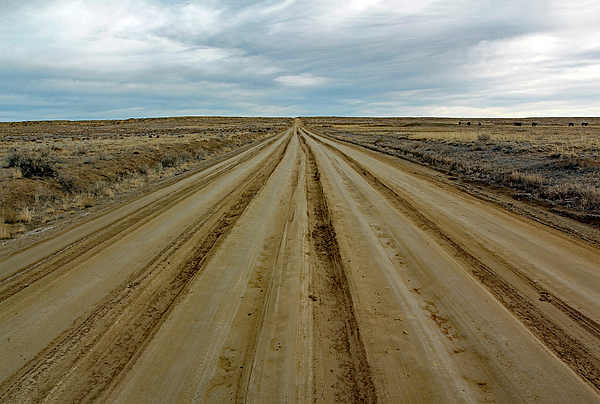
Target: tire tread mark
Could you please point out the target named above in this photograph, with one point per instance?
(570, 350)
(354, 381)
(105, 235)
(99, 369)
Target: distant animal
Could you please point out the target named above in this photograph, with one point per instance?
(468, 123)
(533, 123)
(459, 122)
(584, 124)
(571, 124)
(518, 124)
(479, 124)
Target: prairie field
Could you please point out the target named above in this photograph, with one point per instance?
(550, 162)
(53, 169)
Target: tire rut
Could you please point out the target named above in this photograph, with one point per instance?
(105, 236)
(243, 390)
(349, 378)
(88, 360)
(569, 349)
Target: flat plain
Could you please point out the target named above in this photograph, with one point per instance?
(306, 267)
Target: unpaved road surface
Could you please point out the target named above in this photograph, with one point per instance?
(303, 270)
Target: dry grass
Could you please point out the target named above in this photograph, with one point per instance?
(9, 216)
(65, 165)
(550, 161)
(523, 181)
(88, 203)
(25, 215)
(4, 231)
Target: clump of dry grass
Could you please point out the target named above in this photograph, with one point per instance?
(584, 197)
(25, 215)
(523, 181)
(88, 202)
(484, 137)
(4, 231)
(9, 216)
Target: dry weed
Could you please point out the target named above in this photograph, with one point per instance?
(4, 231)
(25, 215)
(88, 203)
(9, 216)
(525, 181)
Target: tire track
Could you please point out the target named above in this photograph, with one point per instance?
(343, 349)
(86, 360)
(243, 391)
(569, 349)
(106, 235)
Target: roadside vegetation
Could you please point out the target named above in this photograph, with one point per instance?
(52, 170)
(548, 162)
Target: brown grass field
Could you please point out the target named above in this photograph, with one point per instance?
(551, 162)
(54, 169)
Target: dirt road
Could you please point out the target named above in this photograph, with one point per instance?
(303, 270)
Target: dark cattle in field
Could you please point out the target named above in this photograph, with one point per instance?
(459, 122)
(571, 124)
(479, 124)
(468, 123)
(584, 124)
(518, 124)
(533, 123)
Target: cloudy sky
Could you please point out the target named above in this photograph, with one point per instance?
(104, 59)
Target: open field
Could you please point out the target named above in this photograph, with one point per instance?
(52, 170)
(551, 162)
(304, 269)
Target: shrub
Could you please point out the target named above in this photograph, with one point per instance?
(170, 160)
(590, 198)
(484, 137)
(143, 169)
(200, 154)
(68, 183)
(9, 216)
(185, 157)
(583, 197)
(30, 166)
(175, 160)
(565, 190)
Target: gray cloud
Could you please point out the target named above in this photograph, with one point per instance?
(116, 59)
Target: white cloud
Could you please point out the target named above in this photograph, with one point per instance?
(376, 57)
(301, 80)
